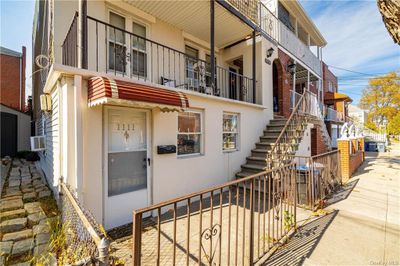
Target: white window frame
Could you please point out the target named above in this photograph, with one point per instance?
(237, 147)
(109, 41)
(135, 49)
(201, 133)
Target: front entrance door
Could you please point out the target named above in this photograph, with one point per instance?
(127, 164)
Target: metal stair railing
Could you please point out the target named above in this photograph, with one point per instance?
(320, 118)
(281, 151)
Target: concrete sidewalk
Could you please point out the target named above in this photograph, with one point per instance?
(363, 227)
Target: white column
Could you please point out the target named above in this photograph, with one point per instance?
(78, 135)
(67, 132)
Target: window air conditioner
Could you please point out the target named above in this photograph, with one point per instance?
(45, 102)
(38, 143)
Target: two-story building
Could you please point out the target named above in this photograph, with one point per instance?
(155, 99)
(336, 105)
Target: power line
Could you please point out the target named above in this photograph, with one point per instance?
(356, 72)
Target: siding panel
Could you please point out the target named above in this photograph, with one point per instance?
(48, 125)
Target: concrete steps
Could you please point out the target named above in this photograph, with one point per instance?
(257, 161)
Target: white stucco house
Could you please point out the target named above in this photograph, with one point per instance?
(155, 99)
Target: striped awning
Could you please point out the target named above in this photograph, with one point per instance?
(103, 90)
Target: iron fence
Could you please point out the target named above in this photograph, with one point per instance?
(70, 44)
(234, 223)
(122, 53)
(317, 178)
(85, 243)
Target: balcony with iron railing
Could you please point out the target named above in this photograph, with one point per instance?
(271, 26)
(287, 39)
(116, 51)
(334, 116)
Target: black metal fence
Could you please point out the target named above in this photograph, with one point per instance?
(235, 223)
(126, 54)
(70, 44)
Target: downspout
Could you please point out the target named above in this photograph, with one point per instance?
(20, 82)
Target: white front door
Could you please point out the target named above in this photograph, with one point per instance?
(127, 164)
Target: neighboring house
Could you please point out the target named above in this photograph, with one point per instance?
(359, 115)
(15, 124)
(157, 99)
(12, 81)
(15, 131)
(336, 105)
(297, 68)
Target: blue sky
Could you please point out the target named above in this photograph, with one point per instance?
(16, 29)
(357, 38)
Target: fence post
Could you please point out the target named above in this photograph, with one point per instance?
(311, 163)
(137, 238)
(251, 255)
(103, 248)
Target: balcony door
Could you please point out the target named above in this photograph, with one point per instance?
(117, 47)
(127, 49)
(127, 164)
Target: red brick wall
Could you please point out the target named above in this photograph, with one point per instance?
(328, 76)
(318, 145)
(286, 85)
(10, 80)
(350, 162)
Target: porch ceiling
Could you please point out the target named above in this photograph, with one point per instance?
(193, 17)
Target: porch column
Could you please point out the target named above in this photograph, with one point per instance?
(212, 45)
(254, 66)
(82, 35)
(308, 80)
(78, 135)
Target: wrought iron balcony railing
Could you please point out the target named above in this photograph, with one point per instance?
(275, 28)
(126, 54)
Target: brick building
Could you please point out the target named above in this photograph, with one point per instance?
(12, 78)
(336, 105)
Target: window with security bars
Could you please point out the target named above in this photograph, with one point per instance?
(116, 43)
(139, 56)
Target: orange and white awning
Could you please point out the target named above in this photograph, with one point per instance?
(103, 90)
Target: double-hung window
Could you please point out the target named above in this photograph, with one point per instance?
(190, 133)
(230, 132)
(139, 56)
(116, 43)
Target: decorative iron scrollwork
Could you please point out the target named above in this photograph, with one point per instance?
(211, 236)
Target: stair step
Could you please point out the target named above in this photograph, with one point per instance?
(275, 127)
(269, 139)
(269, 145)
(278, 122)
(256, 160)
(243, 174)
(253, 167)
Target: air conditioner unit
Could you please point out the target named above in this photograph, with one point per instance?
(45, 102)
(38, 143)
